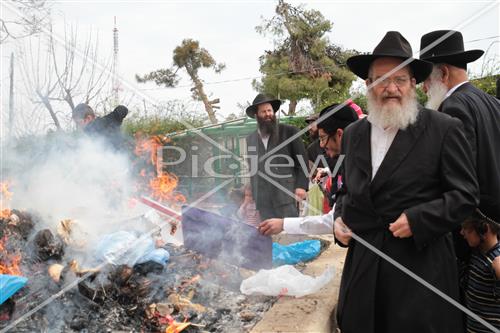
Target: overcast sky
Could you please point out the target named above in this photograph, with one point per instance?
(150, 30)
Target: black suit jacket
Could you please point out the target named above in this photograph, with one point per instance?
(427, 174)
(265, 192)
(109, 126)
(480, 115)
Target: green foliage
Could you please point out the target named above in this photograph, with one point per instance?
(360, 100)
(165, 77)
(156, 125)
(190, 57)
(487, 84)
(300, 123)
(421, 96)
(304, 64)
(169, 117)
(486, 80)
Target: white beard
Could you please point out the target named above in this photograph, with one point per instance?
(436, 94)
(392, 116)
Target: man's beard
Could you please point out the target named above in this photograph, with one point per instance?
(436, 94)
(267, 127)
(391, 115)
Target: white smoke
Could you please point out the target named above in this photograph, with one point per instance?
(72, 178)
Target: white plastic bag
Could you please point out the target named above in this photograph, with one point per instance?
(285, 280)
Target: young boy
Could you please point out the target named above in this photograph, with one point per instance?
(482, 281)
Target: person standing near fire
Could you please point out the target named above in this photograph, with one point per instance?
(108, 126)
(408, 179)
(331, 129)
(279, 161)
(450, 92)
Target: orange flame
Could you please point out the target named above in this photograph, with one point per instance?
(5, 196)
(163, 187)
(9, 263)
(5, 213)
(4, 190)
(148, 146)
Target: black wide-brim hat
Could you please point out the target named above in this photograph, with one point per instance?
(261, 99)
(392, 45)
(450, 50)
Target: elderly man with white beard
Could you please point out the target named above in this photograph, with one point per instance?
(450, 92)
(408, 180)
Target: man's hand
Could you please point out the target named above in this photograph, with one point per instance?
(496, 267)
(342, 233)
(401, 228)
(271, 227)
(320, 173)
(300, 194)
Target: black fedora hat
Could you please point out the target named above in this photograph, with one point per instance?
(392, 45)
(450, 50)
(261, 99)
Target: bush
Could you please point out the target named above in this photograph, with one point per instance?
(157, 125)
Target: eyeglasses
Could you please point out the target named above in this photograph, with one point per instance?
(323, 138)
(399, 81)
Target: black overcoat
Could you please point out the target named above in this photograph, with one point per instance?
(427, 174)
(480, 115)
(290, 175)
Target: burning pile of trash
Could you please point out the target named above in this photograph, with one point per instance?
(186, 292)
(92, 251)
(61, 252)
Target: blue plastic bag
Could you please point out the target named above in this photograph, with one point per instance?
(159, 256)
(129, 248)
(9, 285)
(295, 252)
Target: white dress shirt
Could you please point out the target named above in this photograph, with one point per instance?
(381, 141)
(452, 90)
(309, 225)
(265, 139)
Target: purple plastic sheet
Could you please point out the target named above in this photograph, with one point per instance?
(225, 239)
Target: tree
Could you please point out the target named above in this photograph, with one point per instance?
(190, 57)
(304, 64)
(61, 74)
(30, 17)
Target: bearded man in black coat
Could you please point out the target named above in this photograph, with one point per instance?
(277, 160)
(450, 92)
(408, 180)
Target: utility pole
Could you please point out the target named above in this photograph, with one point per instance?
(116, 82)
(11, 97)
